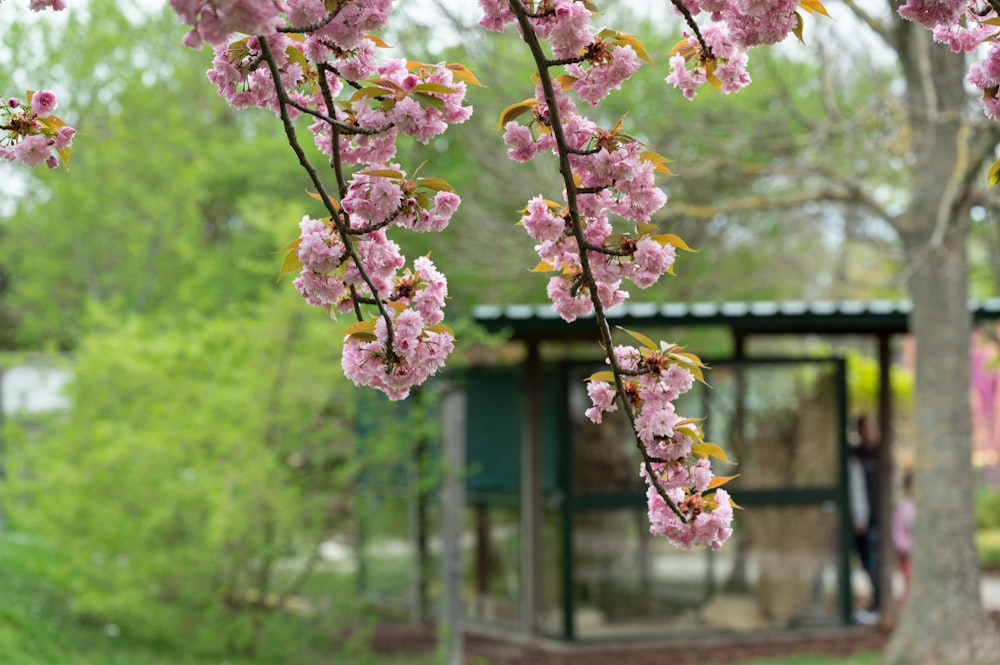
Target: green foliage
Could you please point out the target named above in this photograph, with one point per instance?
(202, 463)
(863, 384)
(988, 547)
(988, 508)
(168, 205)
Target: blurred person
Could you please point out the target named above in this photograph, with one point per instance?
(902, 529)
(862, 477)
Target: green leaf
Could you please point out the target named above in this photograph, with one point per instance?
(383, 173)
(605, 375)
(297, 56)
(429, 101)
(441, 328)
(292, 263)
(367, 92)
(436, 88)
(799, 25)
(437, 184)
(363, 330)
(639, 337)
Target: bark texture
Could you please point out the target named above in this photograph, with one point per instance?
(943, 620)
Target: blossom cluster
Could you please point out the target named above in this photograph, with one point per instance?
(612, 180)
(615, 175)
(963, 26)
(717, 53)
(699, 512)
(319, 59)
(31, 134)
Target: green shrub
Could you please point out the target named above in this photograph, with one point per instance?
(988, 508)
(201, 464)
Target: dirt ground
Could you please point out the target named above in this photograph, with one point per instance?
(723, 649)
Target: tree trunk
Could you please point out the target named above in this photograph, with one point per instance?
(943, 620)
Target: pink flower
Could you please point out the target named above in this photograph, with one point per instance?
(32, 151)
(64, 138)
(43, 103)
(930, 13)
(39, 5)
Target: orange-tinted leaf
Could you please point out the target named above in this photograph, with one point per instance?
(315, 195)
(706, 449)
(719, 481)
(513, 111)
(665, 238)
(379, 42)
(463, 74)
(543, 266)
(813, 7)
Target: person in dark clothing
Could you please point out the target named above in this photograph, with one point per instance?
(863, 488)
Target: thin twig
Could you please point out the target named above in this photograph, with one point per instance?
(336, 214)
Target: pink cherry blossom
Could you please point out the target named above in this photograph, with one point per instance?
(43, 103)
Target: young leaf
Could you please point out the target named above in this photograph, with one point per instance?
(799, 25)
(665, 238)
(363, 330)
(993, 177)
(315, 195)
(639, 337)
(383, 173)
(379, 42)
(296, 55)
(637, 46)
(436, 88)
(813, 7)
(437, 184)
(367, 92)
(719, 481)
(543, 266)
(658, 160)
(429, 101)
(290, 246)
(706, 449)
(440, 328)
(605, 375)
(515, 110)
(463, 74)
(292, 263)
